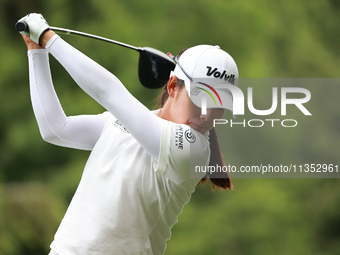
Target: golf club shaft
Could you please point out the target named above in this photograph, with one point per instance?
(22, 26)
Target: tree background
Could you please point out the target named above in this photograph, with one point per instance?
(268, 39)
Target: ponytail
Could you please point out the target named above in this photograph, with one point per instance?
(220, 180)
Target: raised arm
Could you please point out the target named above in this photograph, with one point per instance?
(107, 90)
(100, 84)
(80, 132)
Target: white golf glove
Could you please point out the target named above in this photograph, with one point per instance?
(37, 25)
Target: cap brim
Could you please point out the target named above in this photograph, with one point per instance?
(204, 95)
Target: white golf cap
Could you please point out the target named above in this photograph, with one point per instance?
(207, 72)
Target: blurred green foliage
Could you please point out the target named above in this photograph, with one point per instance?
(266, 38)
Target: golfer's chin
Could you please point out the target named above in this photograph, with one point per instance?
(200, 128)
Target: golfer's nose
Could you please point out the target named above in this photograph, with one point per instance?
(208, 116)
(211, 114)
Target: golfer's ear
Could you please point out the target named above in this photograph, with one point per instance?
(172, 86)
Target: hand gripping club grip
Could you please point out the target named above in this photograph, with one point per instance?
(21, 26)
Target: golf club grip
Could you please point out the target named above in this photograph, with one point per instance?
(21, 26)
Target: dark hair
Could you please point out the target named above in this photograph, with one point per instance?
(220, 179)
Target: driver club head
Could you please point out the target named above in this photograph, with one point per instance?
(154, 67)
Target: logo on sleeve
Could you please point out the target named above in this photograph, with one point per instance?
(120, 126)
(191, 138)
(179, 137)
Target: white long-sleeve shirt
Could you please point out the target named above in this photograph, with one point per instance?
(137, 178)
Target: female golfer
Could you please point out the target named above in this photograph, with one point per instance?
(138, 176)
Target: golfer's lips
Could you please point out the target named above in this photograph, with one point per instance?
(197, 127)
